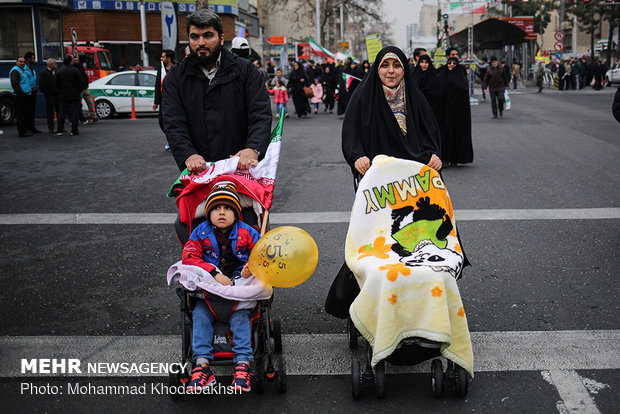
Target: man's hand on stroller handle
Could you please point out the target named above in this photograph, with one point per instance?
(195, 164)
(224, 280)
(248, 157)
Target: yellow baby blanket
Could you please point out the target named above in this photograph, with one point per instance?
(402, 246)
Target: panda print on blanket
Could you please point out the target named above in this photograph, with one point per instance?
(421, 237)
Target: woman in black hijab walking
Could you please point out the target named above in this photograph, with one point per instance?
(389, 115)
(427, 80)
(456, 145)
(296, 82)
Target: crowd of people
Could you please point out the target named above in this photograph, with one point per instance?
(62, 88)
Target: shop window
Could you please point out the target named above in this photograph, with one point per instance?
(16, 35)
(50, 34)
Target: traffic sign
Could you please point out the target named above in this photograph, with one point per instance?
(558, 55)
(559, 35)
(558, 46)
(73, 35)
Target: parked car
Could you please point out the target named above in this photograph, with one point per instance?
(613, 74)
(7, 105)
(112, 93)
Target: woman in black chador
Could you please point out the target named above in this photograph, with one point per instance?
(427, 79)
(329, 81)
(456, 146)
(296, 82)
(389, 115)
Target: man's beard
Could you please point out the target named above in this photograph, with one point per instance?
(210, 59)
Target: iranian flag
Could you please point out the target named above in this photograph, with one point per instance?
(348, 79)
(320, 50)
(163, 75)
(258, 182)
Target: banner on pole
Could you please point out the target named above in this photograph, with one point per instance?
(169, 26)
(373, 46)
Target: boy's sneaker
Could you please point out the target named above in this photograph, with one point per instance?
(242, 380)
(202, 377)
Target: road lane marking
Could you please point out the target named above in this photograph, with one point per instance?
(329, 354)
(320, 217)
(574, 395)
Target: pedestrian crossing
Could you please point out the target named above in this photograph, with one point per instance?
(310, 217)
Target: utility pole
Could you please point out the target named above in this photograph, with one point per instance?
(145, 56)
(318, 21)
(341, 21)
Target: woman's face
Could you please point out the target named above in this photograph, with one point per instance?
(391, 72)
(295, 65)
(423, 65)
(451, 65)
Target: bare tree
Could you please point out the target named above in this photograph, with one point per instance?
(300, 12)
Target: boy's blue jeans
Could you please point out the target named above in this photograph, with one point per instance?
(280, 106)
(240, 326)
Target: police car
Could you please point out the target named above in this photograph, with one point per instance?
(112, 93)
(613, 74)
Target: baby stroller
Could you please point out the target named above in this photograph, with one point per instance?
(408, 310)
(255, 191)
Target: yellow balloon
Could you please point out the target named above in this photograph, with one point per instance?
(284, 257)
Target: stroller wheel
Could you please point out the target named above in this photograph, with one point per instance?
(461, 384)
(258, 379)
(380, 380)
(352, 331)
(281, 376)
(276, 333)
(437, 378)
(356, 379)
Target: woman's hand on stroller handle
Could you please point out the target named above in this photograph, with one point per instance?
(362, 164)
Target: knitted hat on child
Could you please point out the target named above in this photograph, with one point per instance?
(224, 192)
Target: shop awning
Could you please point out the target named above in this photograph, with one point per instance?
(491, 34)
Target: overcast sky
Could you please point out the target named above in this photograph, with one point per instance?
(400, 13)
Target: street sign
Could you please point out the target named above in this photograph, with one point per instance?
(343, 45)
(73, 35)
(559, 35)
(558, 46)
(558, 55)
(277, 40)
(74, 42)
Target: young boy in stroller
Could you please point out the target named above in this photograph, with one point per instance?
(221, 245)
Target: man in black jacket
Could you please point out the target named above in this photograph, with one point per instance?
(496, 80)
(216, 104)
(71, 84)
(49, 88)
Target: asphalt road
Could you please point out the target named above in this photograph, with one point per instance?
(541, 270)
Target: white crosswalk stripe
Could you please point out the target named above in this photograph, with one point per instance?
(328, 354)
(311, 217)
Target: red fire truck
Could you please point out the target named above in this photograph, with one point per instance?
(97, 61)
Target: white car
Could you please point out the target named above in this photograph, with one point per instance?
(613, 74)
(112, 93)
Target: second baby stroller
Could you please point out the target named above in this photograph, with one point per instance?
(404, 250)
